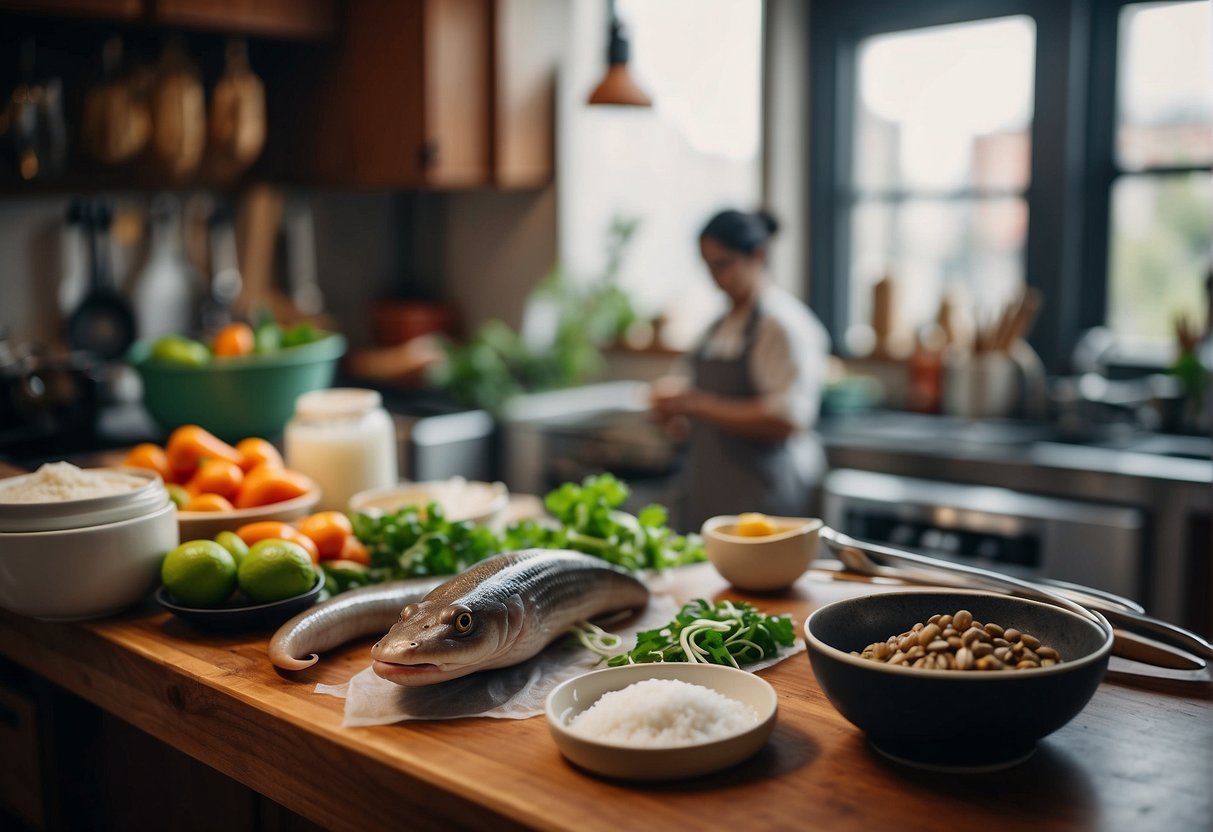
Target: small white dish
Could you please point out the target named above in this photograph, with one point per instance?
(204, 525)
(765, 563)
(628, 762)
(460, 499)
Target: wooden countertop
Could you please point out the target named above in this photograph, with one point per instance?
(1136, 758)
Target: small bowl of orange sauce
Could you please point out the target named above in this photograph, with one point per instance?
(760, 553)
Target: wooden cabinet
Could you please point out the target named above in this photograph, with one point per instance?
(126, 10)
(304, 19)
(439, 94)
(295, 19)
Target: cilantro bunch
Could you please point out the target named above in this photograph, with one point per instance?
(589, 520)
(418, 541)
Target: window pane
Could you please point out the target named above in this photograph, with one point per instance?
(670, 167)
(946, 107)
(1165, 85)
(1159, 254)
(971, 248)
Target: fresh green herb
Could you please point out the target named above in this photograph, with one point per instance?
(418, 541)
(590, 520)
(728, 632)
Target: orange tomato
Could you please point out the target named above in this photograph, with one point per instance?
(329, 530)
(233, 339)
(355, 550)
(217, 476)
(207, 502)
(250, 533)
(254, 452)
(267, 484)
(188, 445)
(150, 457)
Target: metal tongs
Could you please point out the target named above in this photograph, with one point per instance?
(1137, 636)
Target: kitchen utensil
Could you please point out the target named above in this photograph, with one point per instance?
(178, 113)
(165, 291)
(237, 115)
(103, 322)
(116, 122)
(257, 224)
(74, 256)
(955, 720)
(864, 557)
(300, 239)
(34, 126)
(226, 281)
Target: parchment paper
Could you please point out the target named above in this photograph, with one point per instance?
(517, 692)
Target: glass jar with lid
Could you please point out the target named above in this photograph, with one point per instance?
(344, 440)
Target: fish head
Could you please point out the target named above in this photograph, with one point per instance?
(437, 640)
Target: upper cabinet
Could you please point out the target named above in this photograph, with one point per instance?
(406, 94)
(302, 19)
(439, 94)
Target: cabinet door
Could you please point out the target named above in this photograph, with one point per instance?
(272, 18)
(529, 42)
(105, 9)
(457, 87)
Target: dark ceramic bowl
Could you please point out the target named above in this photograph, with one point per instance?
(952, 719)
(240, 617)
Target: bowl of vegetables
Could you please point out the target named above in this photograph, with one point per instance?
(217, 486)
(243, 382)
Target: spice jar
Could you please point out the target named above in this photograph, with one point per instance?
(344, 440)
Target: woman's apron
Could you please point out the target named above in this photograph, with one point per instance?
(730, 474)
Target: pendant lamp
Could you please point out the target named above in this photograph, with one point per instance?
(618, 86)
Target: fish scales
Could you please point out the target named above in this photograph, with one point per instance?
(501, 612)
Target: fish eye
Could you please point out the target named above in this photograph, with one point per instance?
(463, 622)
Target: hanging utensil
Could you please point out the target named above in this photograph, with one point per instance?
(237, 116)
(178, 113)
(115, 123)
(103, 323)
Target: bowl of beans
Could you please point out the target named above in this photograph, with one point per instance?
(956, 680)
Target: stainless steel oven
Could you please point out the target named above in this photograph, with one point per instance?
(1021, 534)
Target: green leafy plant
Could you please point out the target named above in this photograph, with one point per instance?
(417, 541)
(499, 363)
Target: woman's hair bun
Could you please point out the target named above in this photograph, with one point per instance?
(768, 219)
(741, 231)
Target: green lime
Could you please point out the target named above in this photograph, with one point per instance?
(199, 573)
(275, 569)
(177, 349)
(177, 494)
(232, 542)
(267, 337)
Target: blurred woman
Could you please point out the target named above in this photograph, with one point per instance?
(754, 389)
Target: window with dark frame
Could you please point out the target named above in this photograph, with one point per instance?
(1097, 192)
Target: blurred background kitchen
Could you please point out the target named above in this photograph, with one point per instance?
(1000, 210)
